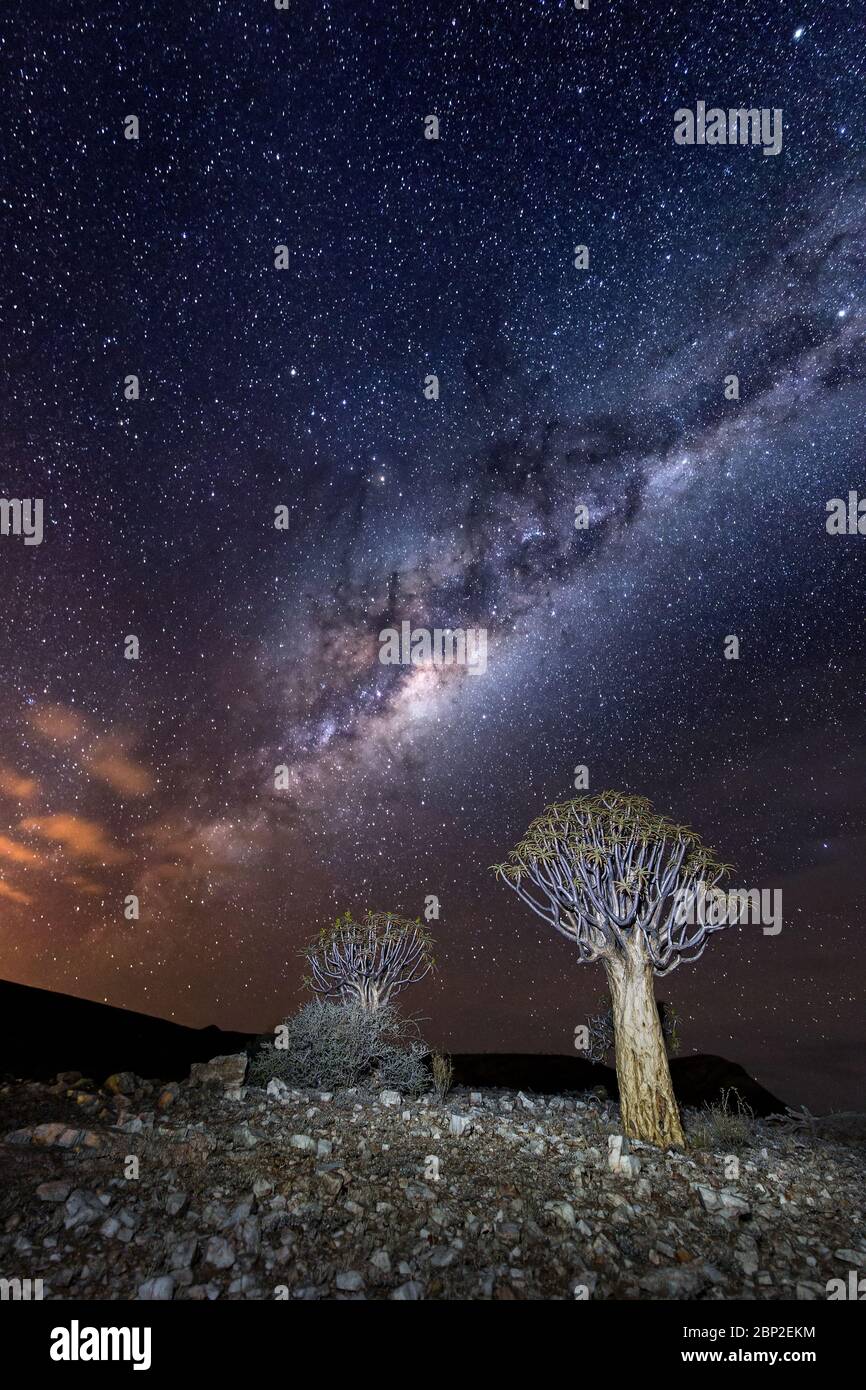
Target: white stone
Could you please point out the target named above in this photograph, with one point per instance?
(159, 1290)
(410, 1291)
(733, 1203)
(303, 1142)
(563, 1211)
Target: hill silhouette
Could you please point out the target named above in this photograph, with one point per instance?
(43, 1033)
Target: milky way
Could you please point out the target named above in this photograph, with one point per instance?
(304, 389)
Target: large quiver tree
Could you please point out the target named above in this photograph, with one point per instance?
(369, 961)
(620, 882)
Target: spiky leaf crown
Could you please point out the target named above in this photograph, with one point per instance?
(592, 828)
(384, 927)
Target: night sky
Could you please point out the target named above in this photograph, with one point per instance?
(304, 388)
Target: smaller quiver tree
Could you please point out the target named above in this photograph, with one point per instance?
(369, 962)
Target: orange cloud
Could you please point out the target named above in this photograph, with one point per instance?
(105, 758)
(7, 891)
(85, 885)
(83, 839)
(15, 785)
(108, 760)
(58, 722)
(11, 849)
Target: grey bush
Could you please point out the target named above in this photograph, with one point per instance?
(402, 1069)
(329, 1045)
(727, 1124)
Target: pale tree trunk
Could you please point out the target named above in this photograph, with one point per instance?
(646, 1094)
(369, 996)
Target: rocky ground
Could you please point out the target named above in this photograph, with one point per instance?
(244, 1194)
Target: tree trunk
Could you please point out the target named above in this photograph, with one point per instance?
(646, 1094)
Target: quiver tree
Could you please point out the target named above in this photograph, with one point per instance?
(370, 961)
(620, 882)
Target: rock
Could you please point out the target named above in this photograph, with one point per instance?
(82, 1209)
(182, 1255)
(442, 1256)
(167, 1096)
(709, 1198)
(680, 1281)
(381, 1260)
(746, 1255)
(619, 1156)
(219, 1253)
(220, 1071)
(249, 1233)
(244, 1137)
(408, 1292)
(617, 1148)
(87, 1101)
(53, 1191)
(303, 1142)
(238, 1213)
(350, 1281)
(120, 1083)
(460, 1124)
(175, 1203)
(278, 1090)
(19, 1136)
(526, 1102)
(563, 1211)
(390, 1098)
(733, 1203)
(851, 1257)
(46, 1135)
(158, 1290)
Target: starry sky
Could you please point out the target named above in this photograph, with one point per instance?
(303, 388)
